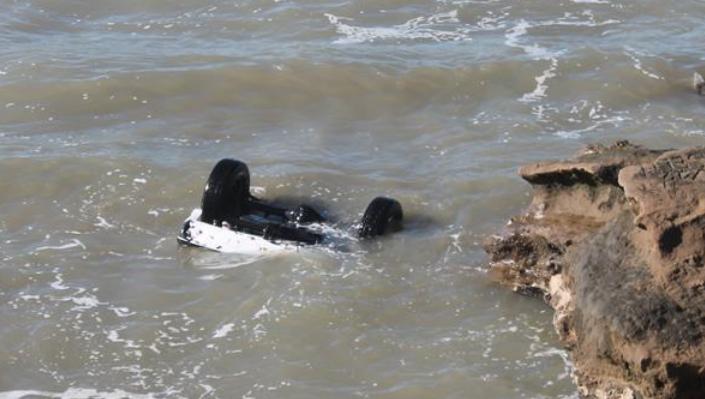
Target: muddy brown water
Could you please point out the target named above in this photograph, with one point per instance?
(113, 112)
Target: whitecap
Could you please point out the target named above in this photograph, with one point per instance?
(224, 330)
(75, 393)
(85, 302)
(58, 284)
(103, 223)
(114, 336)
(565, 357)
(429, 28)
(73, 244)
(577, 133)
(631, 53)
(264, 311)
(538, 53)
(121, 311)
(541, 86)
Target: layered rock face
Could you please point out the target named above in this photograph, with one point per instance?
(614, 241)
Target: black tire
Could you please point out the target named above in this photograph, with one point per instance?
(383, 215)
(226, 193)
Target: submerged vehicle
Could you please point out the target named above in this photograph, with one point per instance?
(232, 220)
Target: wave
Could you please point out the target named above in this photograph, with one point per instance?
(437, 27)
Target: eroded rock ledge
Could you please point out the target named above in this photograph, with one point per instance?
(614, 241)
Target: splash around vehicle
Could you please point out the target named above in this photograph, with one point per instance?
(232, 220)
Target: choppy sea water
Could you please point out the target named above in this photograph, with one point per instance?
(113, 112)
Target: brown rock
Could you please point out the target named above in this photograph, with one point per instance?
(614, 240)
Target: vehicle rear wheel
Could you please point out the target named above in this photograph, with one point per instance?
(383, 215)
(226, 193)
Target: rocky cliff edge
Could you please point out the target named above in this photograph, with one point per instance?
(614, 241)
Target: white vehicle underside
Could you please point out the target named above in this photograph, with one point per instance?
(224, 239)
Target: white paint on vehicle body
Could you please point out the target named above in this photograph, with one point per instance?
(223, 239)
